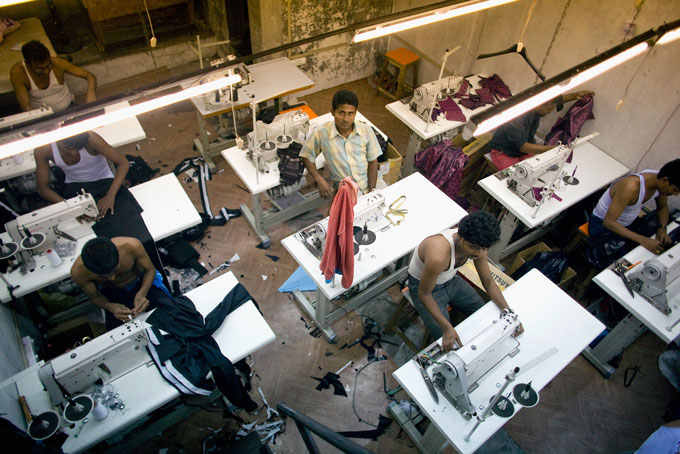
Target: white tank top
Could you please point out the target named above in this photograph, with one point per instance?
(56, 95)
(89, 168)
(631, 212)
(416, 267)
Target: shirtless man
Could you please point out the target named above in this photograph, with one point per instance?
(434, 284)
(118, 276)
(39, 79)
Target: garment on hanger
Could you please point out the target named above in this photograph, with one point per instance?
(184, 350)
(338, 254)
(568, 127)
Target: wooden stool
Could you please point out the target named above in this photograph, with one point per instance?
(401, 58)
(305, 108)
(403, 311)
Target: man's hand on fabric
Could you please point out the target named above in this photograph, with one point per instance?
(663, 237)
(106, 203)
(449, 337)
(652, 245)
(141, 304)
(120, 311)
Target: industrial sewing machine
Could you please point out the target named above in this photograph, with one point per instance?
(38, 231)
(225, 96)
(457, 372)
(652, 281)
(266, 139)
(426, 95)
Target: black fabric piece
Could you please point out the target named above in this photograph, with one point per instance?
(383, 144)
(273, 257)
(127, 298)
(11, 435)
(628, 379)
(383, 423)
(181, 253)
(192, 349)
(291, 166)
(328, 380)
(551, 264)
(195, 265)
(139, 171)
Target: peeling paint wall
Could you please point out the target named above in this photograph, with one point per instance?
(642, 134)
(327, 68)
(216, 18)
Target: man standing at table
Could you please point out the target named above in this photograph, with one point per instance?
(350, 148)
(514, 141)
(434, 284)
(118, 276)
(614, 226)
(39, 79)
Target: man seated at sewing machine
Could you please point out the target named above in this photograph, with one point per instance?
(39, 79)
(514, 141)
(614, 226)
(83, 159)
(118, 276)
(433, 282)
(350, 148)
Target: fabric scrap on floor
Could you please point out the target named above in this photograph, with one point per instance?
(299, 280)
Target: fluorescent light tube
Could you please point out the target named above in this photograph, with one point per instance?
(669, 36)
(108, 118)
(426, 18)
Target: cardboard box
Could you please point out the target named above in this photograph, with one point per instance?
(390, 170)
(527, 254)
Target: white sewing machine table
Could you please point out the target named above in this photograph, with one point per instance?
(420, 130)
(551, 319)
(259, 219)
(144, 390)
(429, 211)
(642, 314)
(161, 219)
(596, 169)
(272, 79)
(116, 134)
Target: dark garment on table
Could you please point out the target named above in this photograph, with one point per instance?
(444, 163)
(510, 137)
(567, 128)
(472, 102)
(126, 219)
(450, 109)
(188, 351)
(126, 297)
(605, 247)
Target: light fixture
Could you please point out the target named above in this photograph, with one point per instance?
(4, 3)
(429, 17)
(108, 118)
(534, 96)
(669, 36)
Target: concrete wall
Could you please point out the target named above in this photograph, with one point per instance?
(344, 62)
(642, 134)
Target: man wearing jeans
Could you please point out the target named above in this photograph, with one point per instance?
(434, 284)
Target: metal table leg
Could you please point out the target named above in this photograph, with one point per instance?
(623, 334)
(431, 442)
(411, 150)
(508, 224)
(254, 219)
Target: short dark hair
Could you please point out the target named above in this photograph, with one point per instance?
(345, 97)
(35, 52)
(78, 141)
(100, 256)
(480, 228)
(671, 170)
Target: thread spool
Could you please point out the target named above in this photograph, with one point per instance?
(53, 258)
(99, 411)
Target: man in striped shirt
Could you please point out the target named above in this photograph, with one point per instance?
(350, 148)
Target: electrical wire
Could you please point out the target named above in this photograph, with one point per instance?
(657, 136)
(149, 16)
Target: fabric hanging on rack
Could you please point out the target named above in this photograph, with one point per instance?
(444, 163)
(204, 175)
(568, 127)
(338, 254)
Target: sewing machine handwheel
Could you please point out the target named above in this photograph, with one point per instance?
(11, 250)
(570, 180)
(72, 412)
(503, 408)
(38, 239)
(523, 397)
(45, 426)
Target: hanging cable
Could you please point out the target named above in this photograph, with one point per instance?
(657, 136)
(526, 23)
(153, 40)
(552, 40)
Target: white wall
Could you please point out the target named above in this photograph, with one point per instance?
(643, 134)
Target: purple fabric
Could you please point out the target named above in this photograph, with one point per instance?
(485, 95)
(463, 90)
(472, 102)
(567, 128)
(498, 88)
(538, 196)
(449, 107)
(444, 163)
